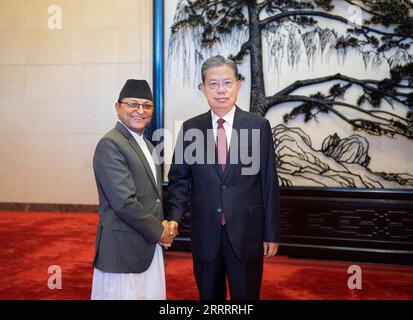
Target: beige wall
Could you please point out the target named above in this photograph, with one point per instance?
(57, 90)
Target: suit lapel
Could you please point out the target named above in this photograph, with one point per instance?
(120, 127)
(157, 166)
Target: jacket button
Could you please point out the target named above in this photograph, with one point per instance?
(219, 210)
(158, 200)
(223, 187)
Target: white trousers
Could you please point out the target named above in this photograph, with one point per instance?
(149, 285)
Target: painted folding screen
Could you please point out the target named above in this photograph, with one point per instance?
(335, 79)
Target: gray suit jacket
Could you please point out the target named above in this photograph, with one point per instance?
(130, 204)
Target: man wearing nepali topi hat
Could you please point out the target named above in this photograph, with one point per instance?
(128, 261)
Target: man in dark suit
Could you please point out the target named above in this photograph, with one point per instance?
(224, 165)
(128, 257)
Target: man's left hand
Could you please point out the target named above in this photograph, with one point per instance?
(270, 249)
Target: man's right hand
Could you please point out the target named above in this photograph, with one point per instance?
(169, 233)
(173, 228)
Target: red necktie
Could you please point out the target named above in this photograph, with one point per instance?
(222, 151)
(222, 144)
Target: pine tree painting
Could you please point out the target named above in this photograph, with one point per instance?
(272, 38)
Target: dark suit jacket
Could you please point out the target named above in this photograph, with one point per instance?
(250, 202)
(130, 206)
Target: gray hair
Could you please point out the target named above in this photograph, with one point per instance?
(218, 61)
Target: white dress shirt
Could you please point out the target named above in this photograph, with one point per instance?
(229, 122)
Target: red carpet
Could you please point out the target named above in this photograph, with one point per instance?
(31, 242)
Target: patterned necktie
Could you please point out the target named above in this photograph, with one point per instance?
(222, 144)
(222, 151)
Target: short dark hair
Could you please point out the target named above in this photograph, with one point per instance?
(218, 61)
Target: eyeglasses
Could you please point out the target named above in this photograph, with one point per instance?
(227, 84)
(134, 105)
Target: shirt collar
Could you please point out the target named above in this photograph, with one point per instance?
(139, 138)
(229, 117)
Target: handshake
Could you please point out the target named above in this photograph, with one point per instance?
(170, 231)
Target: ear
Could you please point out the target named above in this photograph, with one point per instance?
(117, 106)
